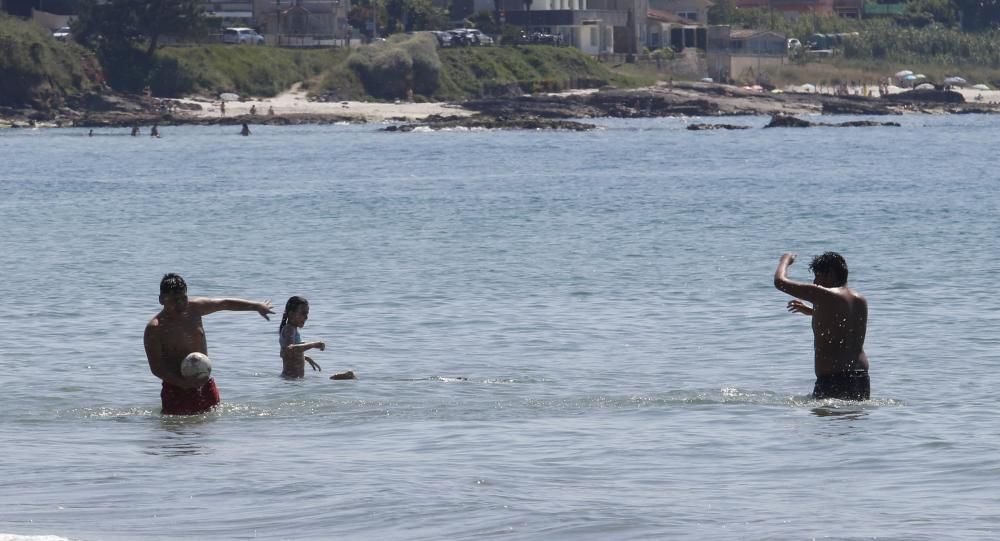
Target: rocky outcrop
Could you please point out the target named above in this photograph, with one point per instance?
(926, 96)
(492, 123)
(787, 121)
(704, 127)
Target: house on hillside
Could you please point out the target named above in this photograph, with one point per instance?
(593, 26)
(692, 11)
(303, 22)
(744, 55)
(669, 30)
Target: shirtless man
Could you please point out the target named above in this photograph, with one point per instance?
(176, 332)
(839, 322)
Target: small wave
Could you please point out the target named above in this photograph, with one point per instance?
(16, 537)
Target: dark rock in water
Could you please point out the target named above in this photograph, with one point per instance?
(785, 121)
(926, 96)
(494, 123)
(861, 124)
(536, 106)
(702, 127)
(855, 105)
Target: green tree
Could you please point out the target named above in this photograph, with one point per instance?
(938, 11)
(485, 21)
(117, 24)
(722, 12)
(979, 14)
(413, 15)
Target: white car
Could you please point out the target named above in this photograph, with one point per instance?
(471, 36)
(61, 33)
(242, 35)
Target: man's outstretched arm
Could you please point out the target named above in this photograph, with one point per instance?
(208, 306)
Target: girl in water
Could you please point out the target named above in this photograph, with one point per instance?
(293, 357)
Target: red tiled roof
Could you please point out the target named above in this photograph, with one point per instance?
(667, 17)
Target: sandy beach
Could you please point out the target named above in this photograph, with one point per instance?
(295, 101)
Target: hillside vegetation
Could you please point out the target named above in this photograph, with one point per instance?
(39, 71)
(384, 70)
(243, 69)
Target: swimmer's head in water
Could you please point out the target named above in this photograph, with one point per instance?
(294, 304)
(173, 291)
(832, 266)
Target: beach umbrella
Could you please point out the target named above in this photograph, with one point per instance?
(955, 81)
(808, 88)
(910, 78)
(981, 86)
(920, 76)
(229, 96)
(904, 73)
(925, 86)
(707, 80)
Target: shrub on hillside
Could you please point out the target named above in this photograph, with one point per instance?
(36, 69)
(390, 69)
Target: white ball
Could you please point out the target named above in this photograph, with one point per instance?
(196, 365)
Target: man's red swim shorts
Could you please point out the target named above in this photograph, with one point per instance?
(181, 401)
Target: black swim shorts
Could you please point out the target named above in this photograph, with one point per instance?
(853, 385)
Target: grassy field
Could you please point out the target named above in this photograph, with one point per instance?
(387, 68)
(242, 69)
(472, 71)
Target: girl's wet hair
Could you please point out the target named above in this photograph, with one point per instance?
(293, 304)
(833, 263)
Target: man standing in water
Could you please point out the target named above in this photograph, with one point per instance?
(176, 332)
(839, 322)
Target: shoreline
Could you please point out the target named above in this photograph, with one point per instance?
(687, 99)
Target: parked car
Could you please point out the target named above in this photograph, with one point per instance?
(444, 39)
(470, 36)
(540, 38)
(61, 33)
(242, 35)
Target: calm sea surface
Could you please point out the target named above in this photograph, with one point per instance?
(558, 335)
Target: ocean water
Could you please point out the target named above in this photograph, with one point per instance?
(557, 335)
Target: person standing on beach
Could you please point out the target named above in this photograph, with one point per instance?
(839, 322)
(176, 332)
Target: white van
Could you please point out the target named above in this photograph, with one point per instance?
(242, 35)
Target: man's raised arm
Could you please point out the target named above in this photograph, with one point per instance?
(806, 292)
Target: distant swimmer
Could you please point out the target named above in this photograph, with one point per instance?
(155, 132)
(246, 130)
(293, 349)
(839, 322)
(135, 131)
(176, 332)
(90, 133)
